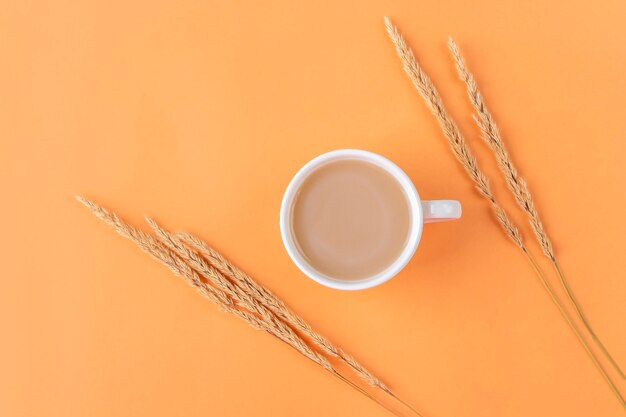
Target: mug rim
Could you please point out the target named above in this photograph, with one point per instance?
(415, 228)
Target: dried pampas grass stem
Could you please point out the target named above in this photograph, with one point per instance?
(517, 185)
(283, 311)
(433, 101)
(235, 292)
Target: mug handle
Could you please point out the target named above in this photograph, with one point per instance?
(440, 210)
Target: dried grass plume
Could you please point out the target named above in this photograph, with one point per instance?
(491, 135)
(433, 101)
(517, 185)
(237, 293)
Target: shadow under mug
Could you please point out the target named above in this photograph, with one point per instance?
(421, 211)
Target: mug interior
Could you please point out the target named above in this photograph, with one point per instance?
(415, 223)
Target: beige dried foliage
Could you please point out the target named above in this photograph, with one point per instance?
(226, 300)
(517, 185)
(278, 307)
(243, 298)
(158, 251)
(433, 100)
(236, 293)
(491, 135)
(426, 88)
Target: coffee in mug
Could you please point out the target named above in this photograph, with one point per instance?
(352, 219)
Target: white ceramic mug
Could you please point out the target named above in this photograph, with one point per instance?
(422, 211)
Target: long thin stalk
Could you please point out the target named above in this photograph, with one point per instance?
(371, 397)
(580, 314)
(401, 401)
(574, 328)
(345, 380)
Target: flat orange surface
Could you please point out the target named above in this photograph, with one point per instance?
(198, 113)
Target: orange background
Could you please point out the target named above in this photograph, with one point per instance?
(199, 113)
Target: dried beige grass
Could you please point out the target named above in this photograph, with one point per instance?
(228, 302)
(229, 293)
(431, 96)
(244, 299)
(516, 184)
(151, 246)
(278, 307)
(491, 135)
(433, 100)
(214, 266)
